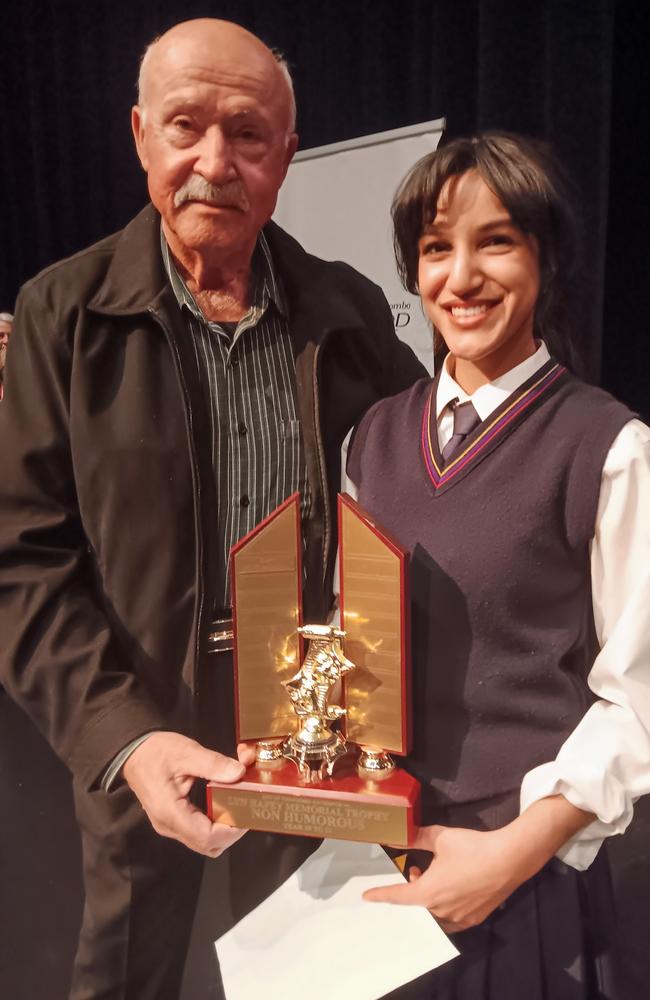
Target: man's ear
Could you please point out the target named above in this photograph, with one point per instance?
(137, 126)
(292, 146)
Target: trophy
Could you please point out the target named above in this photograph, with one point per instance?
(326, 720)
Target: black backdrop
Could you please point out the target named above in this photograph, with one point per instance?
(572, 71)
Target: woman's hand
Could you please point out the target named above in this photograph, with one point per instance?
(472, 873)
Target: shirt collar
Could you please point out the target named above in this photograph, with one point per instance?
(265, 285)
(488, 397)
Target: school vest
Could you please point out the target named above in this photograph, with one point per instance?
(503, 636)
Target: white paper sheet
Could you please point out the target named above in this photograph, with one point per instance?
(315, 936)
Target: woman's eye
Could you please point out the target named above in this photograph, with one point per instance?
(498, 240)
(432, 247)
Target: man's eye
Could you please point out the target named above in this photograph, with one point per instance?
(183, 124)
(248, 135)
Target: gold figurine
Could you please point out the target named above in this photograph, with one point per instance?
(316, 747)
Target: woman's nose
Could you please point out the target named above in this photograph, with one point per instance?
(465, 274)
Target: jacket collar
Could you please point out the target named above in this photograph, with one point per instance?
(136, 276)
(314, 293)
(136, 279)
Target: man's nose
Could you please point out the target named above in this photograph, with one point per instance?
(214, 161)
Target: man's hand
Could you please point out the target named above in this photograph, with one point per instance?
(472, 873)
(161, 772)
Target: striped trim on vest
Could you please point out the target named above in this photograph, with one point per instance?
(442, 474)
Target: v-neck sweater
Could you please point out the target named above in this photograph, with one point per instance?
(502, 624)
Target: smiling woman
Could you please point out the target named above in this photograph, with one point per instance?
(525, 198)
(521, 494)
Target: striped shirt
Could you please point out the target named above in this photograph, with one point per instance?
(248, 373)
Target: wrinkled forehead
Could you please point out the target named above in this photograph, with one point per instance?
(239, 69)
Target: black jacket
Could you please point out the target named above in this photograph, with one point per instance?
(107, 491)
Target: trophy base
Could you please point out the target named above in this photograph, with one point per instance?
(274, 798)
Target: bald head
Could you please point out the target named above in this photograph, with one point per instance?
(221, 42)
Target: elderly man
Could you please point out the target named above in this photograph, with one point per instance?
(6, 320)
(172, 385)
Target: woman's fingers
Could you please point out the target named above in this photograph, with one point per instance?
(427, 837)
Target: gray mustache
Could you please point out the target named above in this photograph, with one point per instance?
(196, 188)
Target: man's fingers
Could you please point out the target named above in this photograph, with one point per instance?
(168, 756)
(186, 823)
(222, 837)
(246, 753)
(199, 762)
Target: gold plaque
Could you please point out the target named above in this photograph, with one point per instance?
(373, 616)
(265, 574)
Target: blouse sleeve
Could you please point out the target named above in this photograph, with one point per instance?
(604, 765)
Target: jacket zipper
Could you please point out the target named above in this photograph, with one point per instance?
(320, 451)
(197, 496)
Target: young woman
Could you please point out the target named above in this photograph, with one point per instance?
(521, 494)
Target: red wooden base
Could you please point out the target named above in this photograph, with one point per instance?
(347, 807)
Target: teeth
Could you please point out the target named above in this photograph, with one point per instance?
(468, 310)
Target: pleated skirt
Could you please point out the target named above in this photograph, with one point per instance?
(553, 939)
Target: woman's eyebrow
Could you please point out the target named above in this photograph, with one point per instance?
(431, 227)
(442, 225)
(501, 220)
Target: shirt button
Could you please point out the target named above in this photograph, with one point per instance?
(244, 501)
(242, 429)
(234, 361)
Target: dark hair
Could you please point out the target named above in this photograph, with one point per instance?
(531, 185)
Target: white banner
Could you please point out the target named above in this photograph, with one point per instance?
(336, 201)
